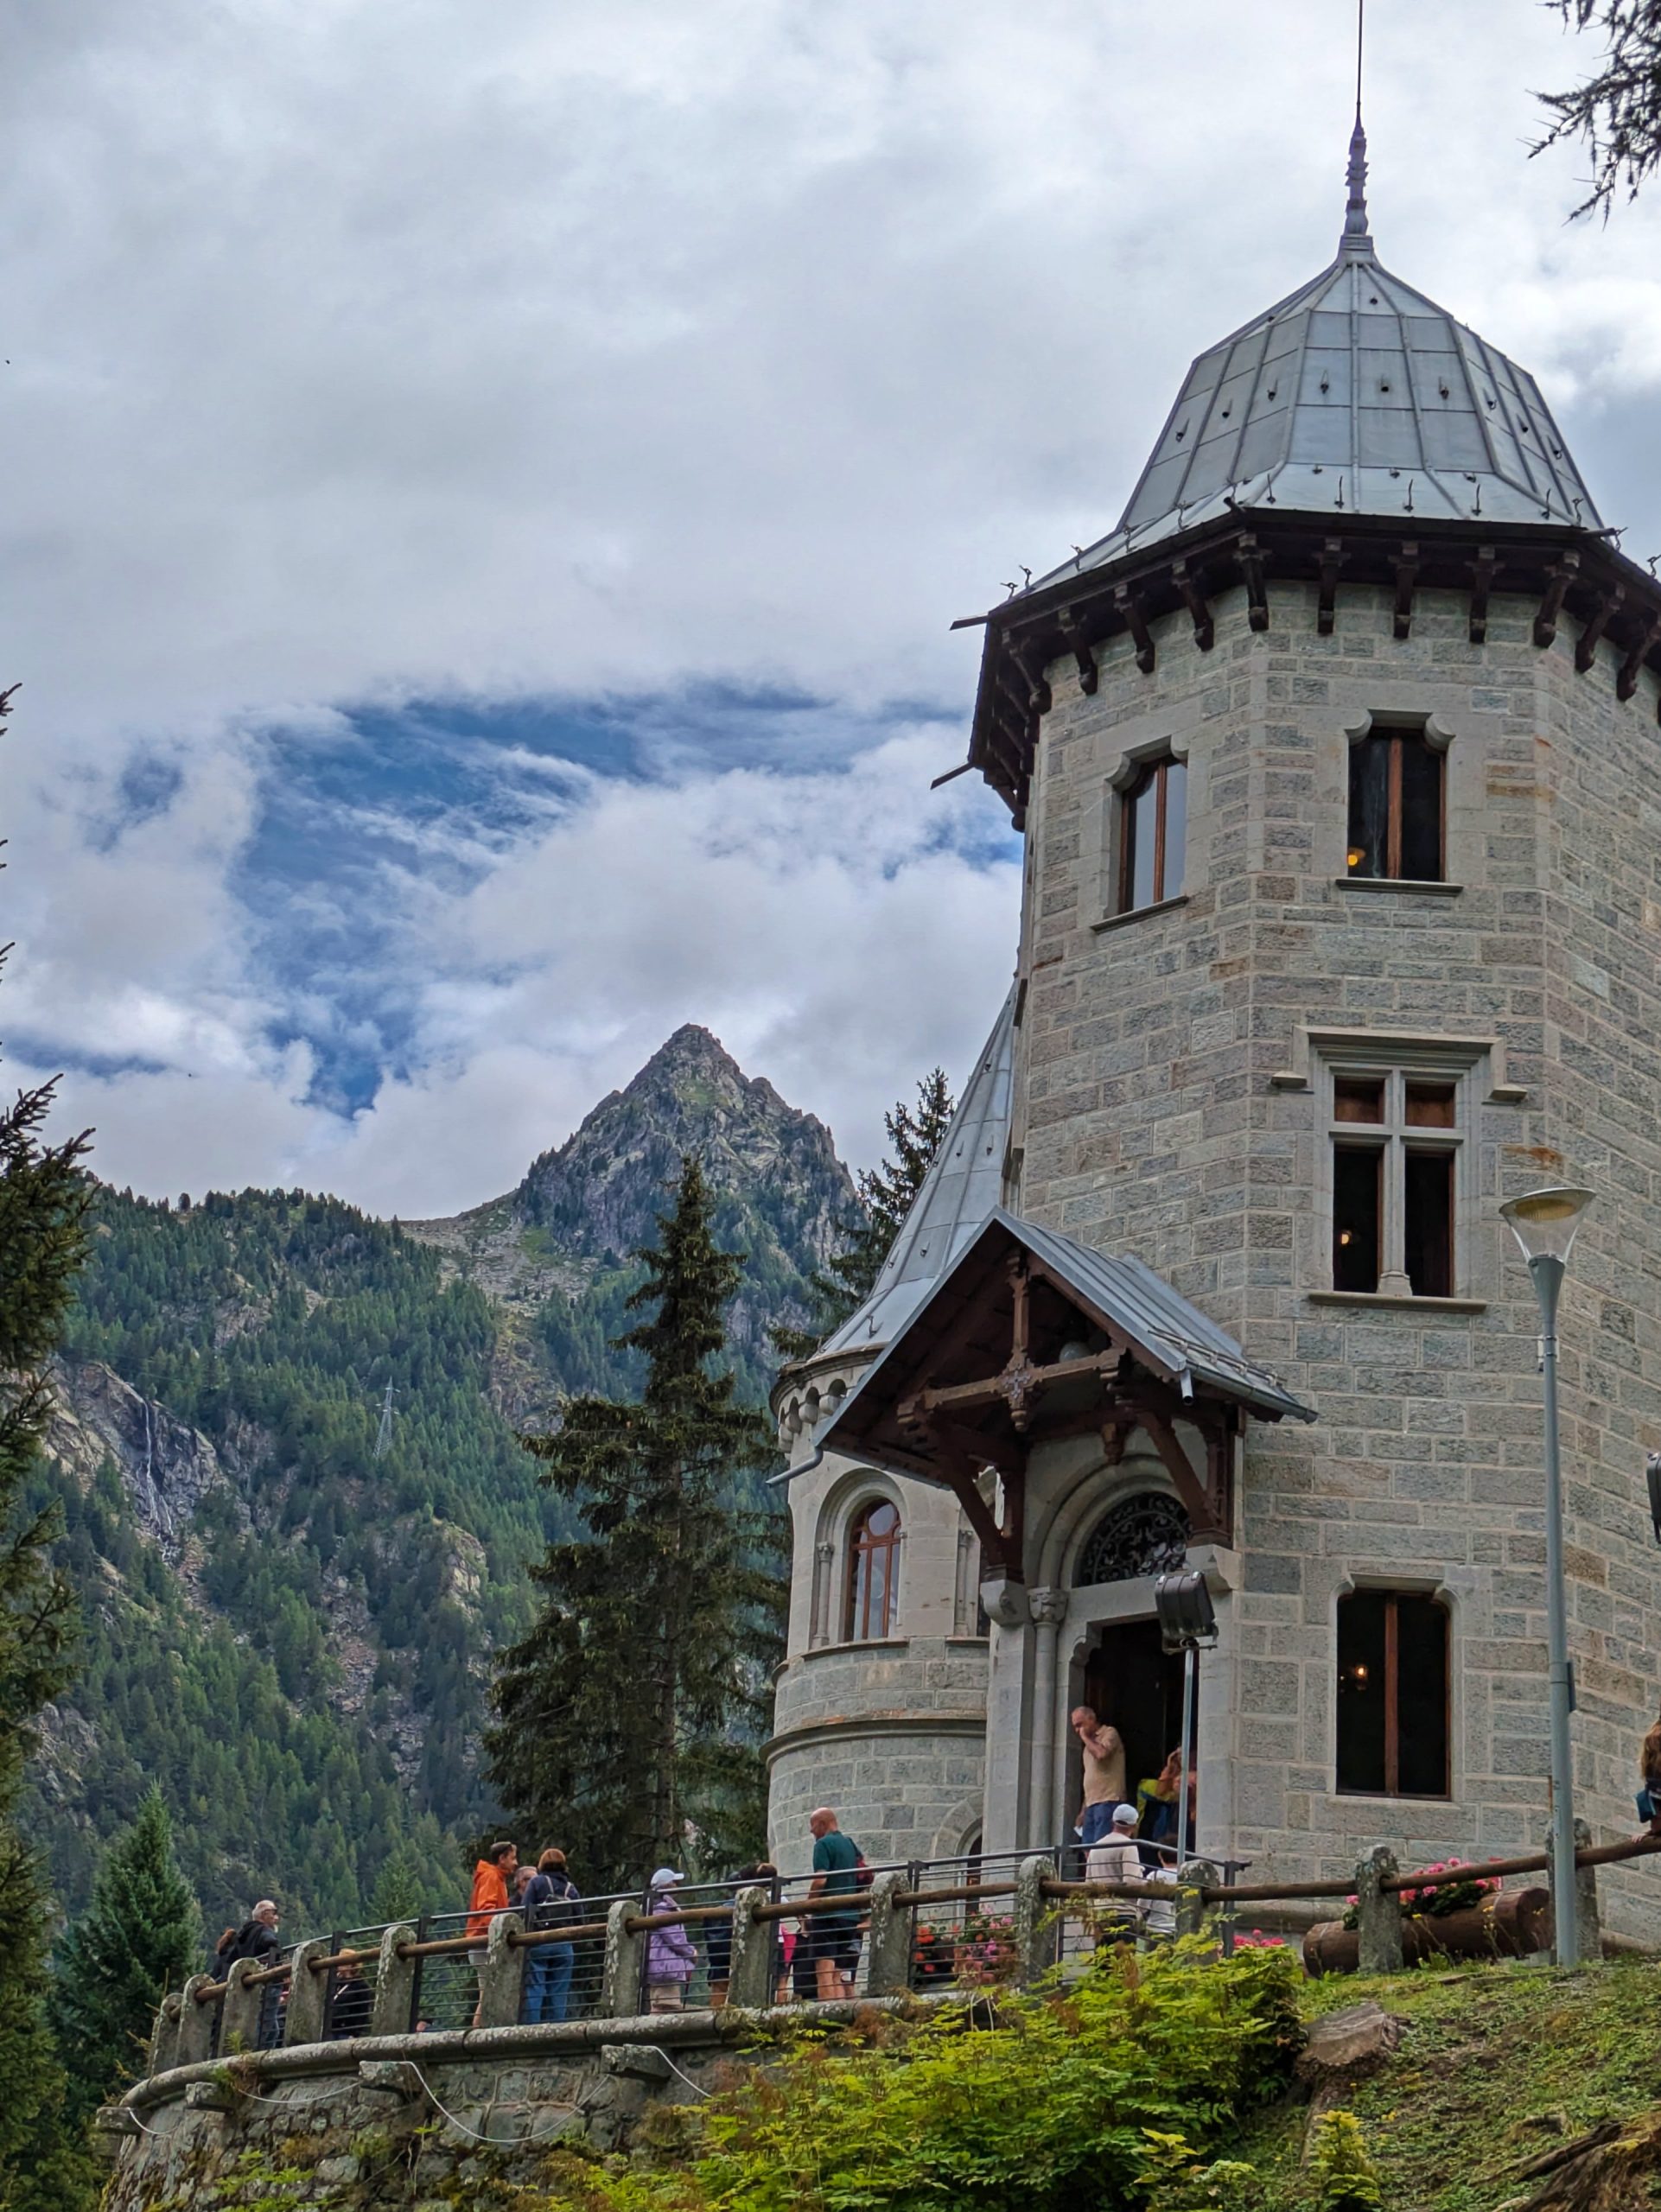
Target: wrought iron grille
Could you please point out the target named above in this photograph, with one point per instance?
(1145, 1535)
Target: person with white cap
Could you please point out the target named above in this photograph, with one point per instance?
(1116, 1858)
(671, 1955)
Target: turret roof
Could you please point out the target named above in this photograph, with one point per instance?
(962, 1187)
(1354, 395)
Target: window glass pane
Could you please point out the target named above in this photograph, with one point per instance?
(1369, 805)
(1140, 830)
(1176, 826)
(1429, 1227)
(859, 1595)
(1421, 1697)
(1420, 811)
(876, 1619)
(1358, 1099)
(1355, 1218)
(1430, 1105)
(881, 1521)
(1361, 1691)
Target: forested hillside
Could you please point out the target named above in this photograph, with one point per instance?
(283, 1625)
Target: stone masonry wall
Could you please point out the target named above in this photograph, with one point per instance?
(1169, 1104)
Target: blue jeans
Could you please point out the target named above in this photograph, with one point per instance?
(548, 1981)
(1097, 1819)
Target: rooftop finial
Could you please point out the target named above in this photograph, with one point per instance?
(1356, 240)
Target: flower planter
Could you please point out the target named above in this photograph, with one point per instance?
(1511, 1925)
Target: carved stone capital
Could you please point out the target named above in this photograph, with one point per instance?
(1049, 1605)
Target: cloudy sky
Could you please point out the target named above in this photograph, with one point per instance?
(486, 489)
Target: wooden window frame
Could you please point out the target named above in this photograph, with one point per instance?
(862, 1548)
(1394, 1137)
(1155, 773)
(1393, 1787)
(1395, 736)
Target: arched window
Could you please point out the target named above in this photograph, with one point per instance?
(1144, 1535)
(1153, 829)
(873, 1570)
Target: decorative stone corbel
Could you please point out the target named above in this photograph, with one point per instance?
(1004, 1599)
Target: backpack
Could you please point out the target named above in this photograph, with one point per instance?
(563, 1912)
(863, 1876)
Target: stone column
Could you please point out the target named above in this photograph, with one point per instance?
(501, 1978)
(1008, 1721)
(1049, 1611)
(1034, 1929)
(1589, 1918)
(1194, 1876)
(888, 1973)
(239, 2021)
(1378, 1912)
(164, 2037)
(196, 2023)
(308, 1992)
(396, 1981)
(621, 1980)
(756, 1952)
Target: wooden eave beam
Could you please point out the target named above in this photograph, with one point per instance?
(1079, 646)
(1205, 628)
(1128, 605)
(1248, 553)
(1407, 576)
(1627, 680)
(1559, 576)
(1039, 701)
(994, 1389)
(1482, 575)
(1197, 1501)
(1331, 560)
(1586, 648)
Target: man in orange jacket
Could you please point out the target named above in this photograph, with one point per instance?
(490, 1879)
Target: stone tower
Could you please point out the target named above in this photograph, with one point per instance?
(1338, 772)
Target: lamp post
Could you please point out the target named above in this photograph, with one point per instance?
(1544, 1223)
(1187, 1620)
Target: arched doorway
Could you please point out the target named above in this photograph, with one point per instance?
(1129, 1679)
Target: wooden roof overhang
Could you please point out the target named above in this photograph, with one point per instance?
(976, 1382)
(1581, 571)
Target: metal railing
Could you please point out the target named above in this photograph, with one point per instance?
(961, 1927)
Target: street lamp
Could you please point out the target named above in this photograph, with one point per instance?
(1186, 1620)
(1544, 1223)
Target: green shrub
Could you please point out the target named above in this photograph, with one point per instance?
(1053, 2111)
(1345, 2177)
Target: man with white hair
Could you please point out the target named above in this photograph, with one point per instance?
(258, 1939)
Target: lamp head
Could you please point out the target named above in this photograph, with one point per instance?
(1544, 1222)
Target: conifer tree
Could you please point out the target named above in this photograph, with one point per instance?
(886, 1193)
(627, 1715)
(42, 1196)
(137, 1938)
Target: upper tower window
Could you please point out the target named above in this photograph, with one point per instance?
(873, 1572)
(1396, 806)
(1152, 830)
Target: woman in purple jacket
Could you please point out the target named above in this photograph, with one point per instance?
(671, 1957)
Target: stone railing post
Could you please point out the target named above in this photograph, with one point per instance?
(196, 2023)
(501, 1978)
(1379, 1913)
(1193, 1878)
(1588, 1917)
(755, 1953)
(239, 2020)
(164, 2036)
(393, 2011)
(308, 1992)
(1034, 1931)
(622, 1977)
(888, 1973)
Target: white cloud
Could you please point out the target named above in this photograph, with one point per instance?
(365, 349)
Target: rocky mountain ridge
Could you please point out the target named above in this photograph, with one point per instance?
(288, 1625)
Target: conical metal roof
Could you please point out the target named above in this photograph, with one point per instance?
(1356, 395)
(963, 1186)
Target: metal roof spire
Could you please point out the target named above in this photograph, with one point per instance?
(1356, 242)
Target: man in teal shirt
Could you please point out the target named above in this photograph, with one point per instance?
(834, 1935)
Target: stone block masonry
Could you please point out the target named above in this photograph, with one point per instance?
(1170, 1103)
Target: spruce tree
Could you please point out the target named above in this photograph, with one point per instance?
(886, 1194)
(42, 1196)
(628, 1715)
(137, 1938)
